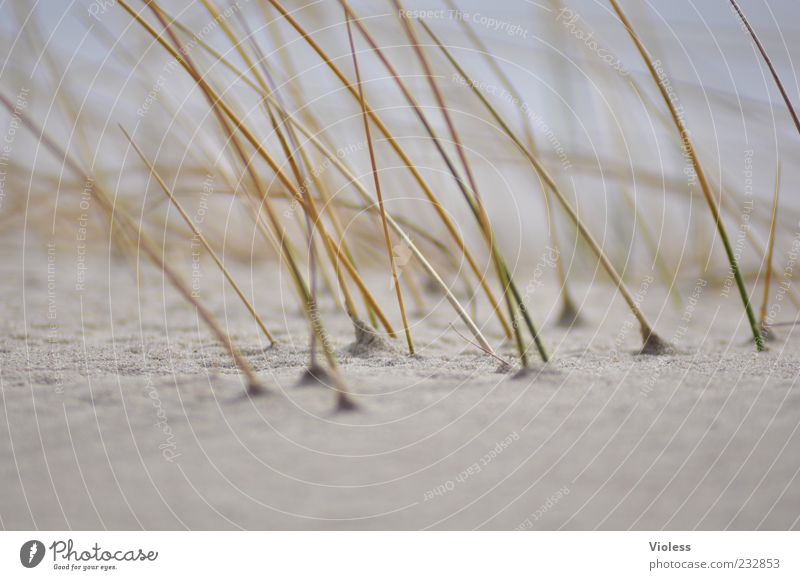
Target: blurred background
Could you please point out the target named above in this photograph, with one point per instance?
(578, 86)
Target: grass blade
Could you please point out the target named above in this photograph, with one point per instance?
(701, 177)
(378, 193)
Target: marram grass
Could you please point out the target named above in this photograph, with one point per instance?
(267, 133)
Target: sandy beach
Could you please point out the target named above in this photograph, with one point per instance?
(120, 412)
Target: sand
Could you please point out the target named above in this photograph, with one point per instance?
(119, 412)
